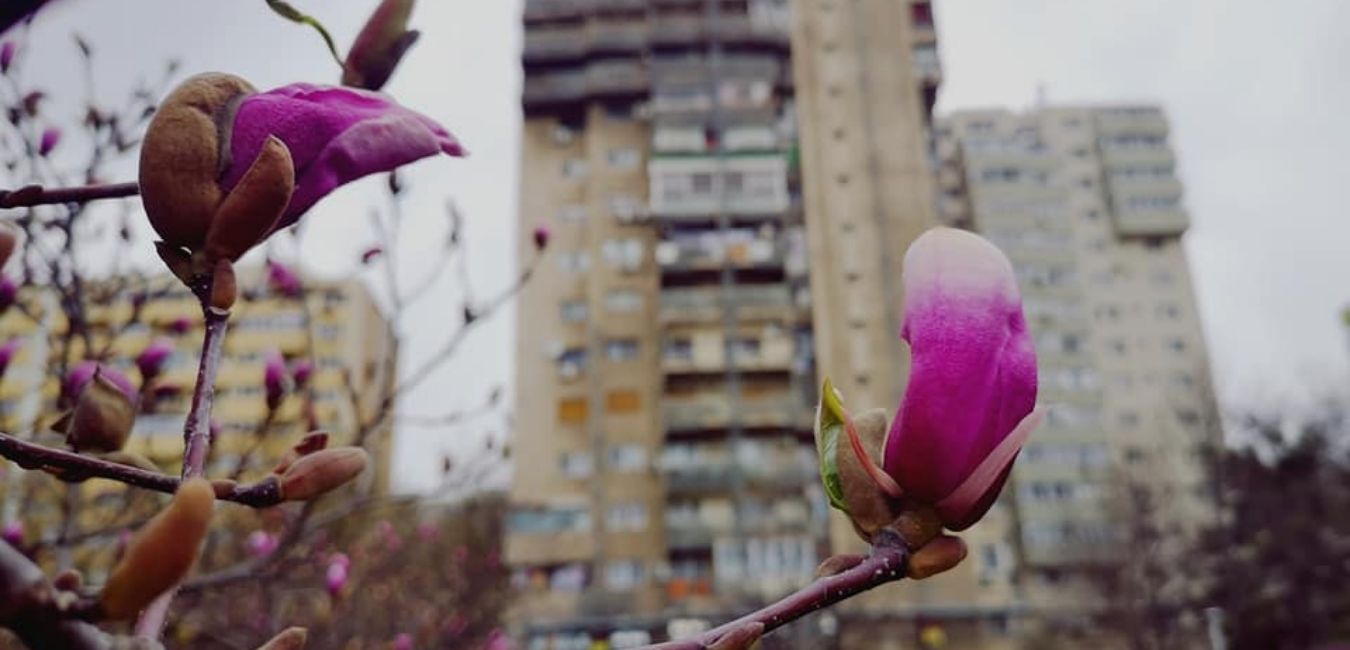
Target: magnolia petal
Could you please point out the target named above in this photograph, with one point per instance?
(973, 365)
(335, 135)
(970, 500)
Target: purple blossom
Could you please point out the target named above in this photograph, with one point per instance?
(971, 397)
(181, 325)
(498, 640)
(261, 543)
(334, 135)
(51, 136)
(403, 641)
(83, 372)
(7, 51)
(13, 533)
(151, 360)
(274, 378)
(302, 371)
(336, 578)
(541, 237)
(283, 280)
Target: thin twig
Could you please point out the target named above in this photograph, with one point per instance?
(32, 195)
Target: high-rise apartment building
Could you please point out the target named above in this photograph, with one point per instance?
(336, 325)
(1086, 203)
(731, 185)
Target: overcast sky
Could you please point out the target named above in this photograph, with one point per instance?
(1255, 91)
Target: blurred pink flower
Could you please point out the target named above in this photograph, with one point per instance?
(7, 353)
(335, 578)
(51, 136)
(541, 236)
(274, 378)
(180, 325)
(301, 372)
(7, 51)
(83, 372)
(261, 543)
(426, 530)
(971, 398)
(461, 553)
(13, 533)
(403, 641)
(283, 280)
(498, 640)
(151, 360)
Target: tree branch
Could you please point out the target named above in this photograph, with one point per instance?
(31, 195)
(886, 563)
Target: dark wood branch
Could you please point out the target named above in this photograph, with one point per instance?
(32, 195)
(68, 464)
(887, 562)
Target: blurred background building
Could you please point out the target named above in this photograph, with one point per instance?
(335, 325)
(731, 186)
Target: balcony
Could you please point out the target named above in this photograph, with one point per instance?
(550, 10)
(616, 78)
(711, 253)
(752, 302)
(554, 45)
(746, 30)
(554, 88)
(1152, 223)
(693, 186)
(1140, 120)
(677, 30)
(714, 412)
(618, 38)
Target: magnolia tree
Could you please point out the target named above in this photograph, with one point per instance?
(223, 168)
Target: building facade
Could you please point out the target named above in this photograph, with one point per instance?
(335, 325)
(730, 185)
(1087, 205)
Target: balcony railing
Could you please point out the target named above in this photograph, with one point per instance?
(753, 302)
(714, 412)
(702, 255)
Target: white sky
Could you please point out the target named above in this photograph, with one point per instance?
(1253, 89)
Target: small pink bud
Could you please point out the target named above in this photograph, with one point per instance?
(322, 471)
(83, 372)
(340, 558)
(51, 137)
(283, 280)
(499, 641)
(275, 378)
(7, 55)
(302, 371)
(13, 533)
(180, 325)
(151, 360)
(261, 543)
(541, 237)
(403, 641)
(335, 579)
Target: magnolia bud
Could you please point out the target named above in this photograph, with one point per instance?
(541, 237)
(301, 372)
(103, 416)
(312, 442)
(274, 379)
(291, 639)
(13, 533)
(7, 51)
(283, 280)
(151, 360)
(319, 472)
(51, 136)
(224, 287)
(250, 211)
(942, 553)
(261, 543)
(162, 553)
(335, 579)
(181, 325)
(380, 46)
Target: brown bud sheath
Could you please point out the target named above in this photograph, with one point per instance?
(183, 154)
(380, 46)
(868, 506)
(178, 260)
(321, 471)
(252, 208)
(290, 639)
(224, 286)
(312, 442)
(102, 419)
(162, 553)
(944, 552)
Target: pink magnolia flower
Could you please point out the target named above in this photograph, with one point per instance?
(340, 558)
(7, 51)
(403, 641)
(426, 530)
(180, 325)
(301, 372)
(13, 533)
(971, 398)
(283, 280)
(51, 136)
(151, 360)
(261, 543)
(335, 578)
(274, 378)
(82, 373)
(335, 136)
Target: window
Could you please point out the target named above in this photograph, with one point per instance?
(571, 363)
(622, 401)
(623, 574)
(549, 520)
(621, 349)
(744, 349)
(679, 350)
(623, 254)
(624, 158)
(701, 183)
(572, 213)
(624, 207)
(577, 464)
(574, 168)
(1176, 345)
(574, 311)
(628, 458)
(574, 261)
(572, 410)
(563, 136)
(623, 300)
(624, 517)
